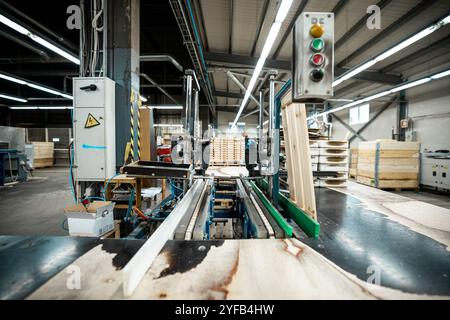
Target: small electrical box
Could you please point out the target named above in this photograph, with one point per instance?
(313, 57)
(94, 123)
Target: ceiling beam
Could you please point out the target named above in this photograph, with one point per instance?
(225, 94)
(227, 109)
(261, 23)
(246, 60)
(441, 43)
(286, 34)
(371, 76)
(339, 6)
(396, 25)
(358, 25)
(282, 65)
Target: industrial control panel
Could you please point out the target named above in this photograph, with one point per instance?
(313, 57)
(94, 124)
(435, 170)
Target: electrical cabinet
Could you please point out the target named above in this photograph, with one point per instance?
(313, 56)
(435, 171)
(94, 124)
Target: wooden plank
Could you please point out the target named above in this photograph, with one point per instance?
(256, 270)
(143, 259)
(145, 134)
(298, 158)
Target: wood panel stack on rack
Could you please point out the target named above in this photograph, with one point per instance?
(353, 169)
(330, 162)
(43, 154)
(389, 164)
(227, 151)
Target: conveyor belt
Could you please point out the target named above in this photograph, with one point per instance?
(355, 238)
(260, 230)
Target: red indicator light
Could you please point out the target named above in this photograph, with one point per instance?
(317, 59)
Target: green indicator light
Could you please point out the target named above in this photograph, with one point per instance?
(317, 45)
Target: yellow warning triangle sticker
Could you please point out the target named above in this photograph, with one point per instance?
(91, 122)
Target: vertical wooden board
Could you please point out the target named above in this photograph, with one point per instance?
(145, 134)
(290, 169)
(300, 163)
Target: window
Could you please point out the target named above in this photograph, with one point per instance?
(360, 114)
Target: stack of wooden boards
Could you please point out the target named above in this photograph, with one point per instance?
(42, 154)
(329, 160)
(353, 169)
(298, 158)
(389, 164)
(227, 151)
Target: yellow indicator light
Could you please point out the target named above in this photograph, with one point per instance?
(316, 30)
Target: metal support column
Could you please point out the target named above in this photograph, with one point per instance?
(261, 126)
(123, 68)
(273, 141)
(402, 114)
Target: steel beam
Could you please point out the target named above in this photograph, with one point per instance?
(387, 105)
(339, 6)
(371, 76)
(286, 66)
(441, 43)
(358, 25)
(261, 23)
(246, 60)
(348, 127)
(288, 31)
(153, 82)
(241, 86)
(396, 25)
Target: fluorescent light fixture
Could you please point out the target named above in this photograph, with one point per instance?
(440, 75)
(283, 10)
(143, 99)
(385, 93)
(35, 86)
(166, 107)
(4, 76)
(398, 47)
(271, 37)
(5, 96)
(54, 48)
(17, 27)
(13, 25)
(169, 125)
(411, 84)
(41, 108)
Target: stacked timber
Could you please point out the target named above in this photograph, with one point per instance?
(227, 151)
(43, 154)
(330, 162)
(298, 158)
(353, 169)
(389, 164)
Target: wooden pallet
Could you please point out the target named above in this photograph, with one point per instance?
(391, 184)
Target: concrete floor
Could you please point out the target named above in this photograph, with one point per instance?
(37, 206)
(437, 199)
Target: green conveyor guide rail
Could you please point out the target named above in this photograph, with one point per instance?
(273, 211)
(301, 218)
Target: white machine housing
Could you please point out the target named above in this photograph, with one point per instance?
(435, 170)
(304, 88)
(94, 146)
